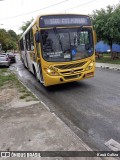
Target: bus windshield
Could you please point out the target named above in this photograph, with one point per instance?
(61, 45)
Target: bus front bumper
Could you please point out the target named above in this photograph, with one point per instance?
(53, 80)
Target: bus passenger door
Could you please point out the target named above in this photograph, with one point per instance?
(38, 51)
(25, 53)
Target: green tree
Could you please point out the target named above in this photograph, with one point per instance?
(103, 23)
(8, 41)
(3, 36)
(116, 22)
(13, 35)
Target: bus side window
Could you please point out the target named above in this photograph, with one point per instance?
(37, 39)
(21, 45)
(27, 41)
(31, 40)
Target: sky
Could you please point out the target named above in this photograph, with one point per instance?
(13, 13)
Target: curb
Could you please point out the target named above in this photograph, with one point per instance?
(34, 95)
(108, 66)
(111, 68)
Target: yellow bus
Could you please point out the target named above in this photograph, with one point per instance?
(59, 48)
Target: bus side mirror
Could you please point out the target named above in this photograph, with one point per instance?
(38, 37)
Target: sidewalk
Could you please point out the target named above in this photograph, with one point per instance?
(108, 66)
(34, 128)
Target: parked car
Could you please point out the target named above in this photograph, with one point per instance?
(4, 60)
(11, 57)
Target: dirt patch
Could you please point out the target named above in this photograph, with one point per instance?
(7, 95)
(12, 93)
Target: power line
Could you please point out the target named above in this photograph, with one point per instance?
(80, 5)
(35, 10)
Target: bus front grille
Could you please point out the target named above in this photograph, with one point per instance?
(72, 71)
(73, 76)
(69, 66)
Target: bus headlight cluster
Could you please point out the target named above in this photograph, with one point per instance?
(48, 70)
(90, 66)
(52, 71)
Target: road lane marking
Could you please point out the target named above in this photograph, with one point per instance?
(113, 145)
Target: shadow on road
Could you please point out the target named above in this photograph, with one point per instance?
(68, 86)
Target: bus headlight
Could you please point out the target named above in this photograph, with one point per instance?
(90, 66)
(51, 71)
(48, 70)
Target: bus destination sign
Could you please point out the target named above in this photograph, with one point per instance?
(70, 20)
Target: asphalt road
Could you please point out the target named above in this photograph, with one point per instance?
(91, 108)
